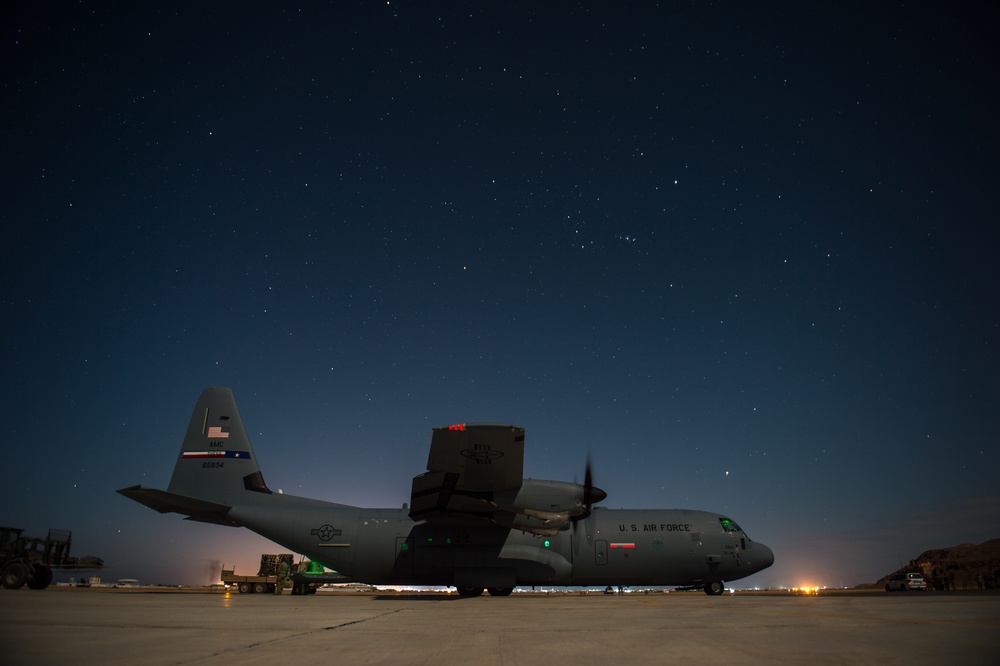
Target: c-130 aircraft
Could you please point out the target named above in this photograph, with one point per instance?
(473, 522)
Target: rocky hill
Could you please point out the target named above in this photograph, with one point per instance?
(956, 568)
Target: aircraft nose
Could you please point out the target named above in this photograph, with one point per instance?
(763, 557)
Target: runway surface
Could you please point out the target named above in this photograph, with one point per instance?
(76, 626)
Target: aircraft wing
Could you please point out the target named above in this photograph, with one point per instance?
(468, 464)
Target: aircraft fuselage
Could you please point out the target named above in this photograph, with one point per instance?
(473, 521)
(611, 547)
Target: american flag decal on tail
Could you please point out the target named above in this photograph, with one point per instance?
(218, 432)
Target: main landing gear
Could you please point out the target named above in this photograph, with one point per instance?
(715, 588)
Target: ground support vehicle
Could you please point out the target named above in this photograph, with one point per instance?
(906, 581)
(305, 577)
(268, 577)
(30, 560)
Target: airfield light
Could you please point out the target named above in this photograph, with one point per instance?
(547, 543)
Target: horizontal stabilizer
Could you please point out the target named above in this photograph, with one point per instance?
(468, 464)
(194, 509)
(485, 456)
(434, 494)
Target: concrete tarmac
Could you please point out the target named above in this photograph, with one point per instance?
(81, 627)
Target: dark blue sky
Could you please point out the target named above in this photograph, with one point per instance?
(743, 255)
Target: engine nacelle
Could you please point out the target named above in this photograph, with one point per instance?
(545, 507)
(519, 521)
(546, 500)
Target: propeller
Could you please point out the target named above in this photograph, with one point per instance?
(591, 494)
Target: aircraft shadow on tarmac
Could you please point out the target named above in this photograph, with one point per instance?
(416, 597)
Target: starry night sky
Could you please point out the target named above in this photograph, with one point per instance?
(742, 255)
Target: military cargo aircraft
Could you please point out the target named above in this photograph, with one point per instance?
(473, 522)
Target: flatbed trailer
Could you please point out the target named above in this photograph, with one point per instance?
(268, 577)
(247, 584)
(304, 577)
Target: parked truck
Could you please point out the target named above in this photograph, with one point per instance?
(267, 578)
(30, 560)
(305, 577)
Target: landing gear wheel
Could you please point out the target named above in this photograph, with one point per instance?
(500, 591)
(715, 588)
(244, 588)
(470, 591)
(40, 577)
(14, 575)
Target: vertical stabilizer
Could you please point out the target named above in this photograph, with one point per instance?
(216, 462)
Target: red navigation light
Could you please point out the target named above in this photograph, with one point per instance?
(457, 426)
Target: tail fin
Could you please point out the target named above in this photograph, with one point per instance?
(216, 461)
(215, 468)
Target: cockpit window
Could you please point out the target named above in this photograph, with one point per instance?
(729, 525)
